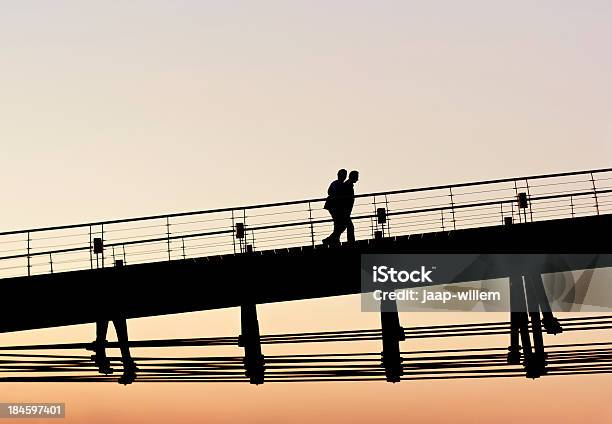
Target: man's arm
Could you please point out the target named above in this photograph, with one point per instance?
(332, 190)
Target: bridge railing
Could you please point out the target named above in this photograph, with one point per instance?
(302, 222)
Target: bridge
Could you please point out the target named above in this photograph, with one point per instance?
(249, 255)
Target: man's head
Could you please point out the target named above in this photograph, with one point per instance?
(342, 175)
(353, 176)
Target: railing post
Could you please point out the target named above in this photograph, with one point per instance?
(388, 219)
(595, 193)
(373, 219)
(233, 232)
(51, 262)
(168, 235)
(90, 249)
(516, 197)
(572, 205)
(452, 207)
(529, 200)
(442, 218)
(29, 264)
(312, 240)
(183, 246)
(102, 236)
(246, 236)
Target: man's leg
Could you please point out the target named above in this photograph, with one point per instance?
(338, 226)
(334, 237)
(341, 225)
(328, 239)
(350, 230)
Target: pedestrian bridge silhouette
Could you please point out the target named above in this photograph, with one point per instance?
(201, 260)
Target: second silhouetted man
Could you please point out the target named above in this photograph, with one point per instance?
(343, 207)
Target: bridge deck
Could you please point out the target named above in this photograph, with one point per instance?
(305, 272)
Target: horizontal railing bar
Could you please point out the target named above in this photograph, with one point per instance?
(494, 202)
(308, 222)
(295, 202)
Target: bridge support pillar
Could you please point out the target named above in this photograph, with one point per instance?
(516, 319)
(519, 324)
(551, 324)
(538, 364)
(514, 350)
(251, 342)
(392, 334)
(525, 307)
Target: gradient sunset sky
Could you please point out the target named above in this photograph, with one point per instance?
(113, 109)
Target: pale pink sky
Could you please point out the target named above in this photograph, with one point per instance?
(113, 109)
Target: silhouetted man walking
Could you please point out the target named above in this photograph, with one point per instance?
(332, 206)
(347, 201)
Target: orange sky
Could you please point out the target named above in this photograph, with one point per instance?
(115, 109)
(563, 398)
